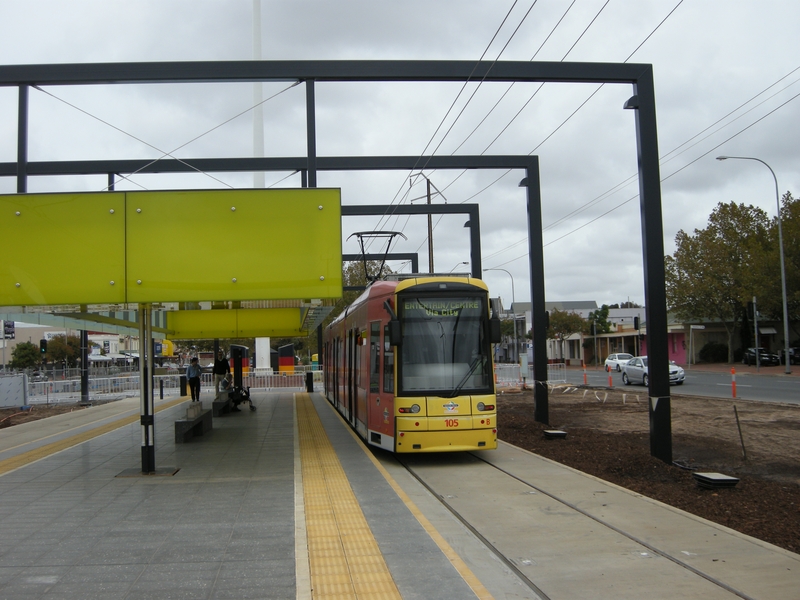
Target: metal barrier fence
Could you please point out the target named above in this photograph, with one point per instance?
(117, 388)
(512, 374)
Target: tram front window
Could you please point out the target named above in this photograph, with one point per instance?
(444, 349)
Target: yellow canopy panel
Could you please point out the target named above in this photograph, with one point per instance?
(171, 246)
(235, 323)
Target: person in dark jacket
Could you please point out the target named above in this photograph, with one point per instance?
(193, 376)
(221, 368)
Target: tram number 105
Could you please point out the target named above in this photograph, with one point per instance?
(451, 422)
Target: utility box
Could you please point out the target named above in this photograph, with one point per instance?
(14, 391)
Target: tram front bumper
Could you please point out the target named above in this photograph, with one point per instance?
(446, 441)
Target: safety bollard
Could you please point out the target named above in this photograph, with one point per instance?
(309, 381)
(610, 380)
(584, 377)
(733, 380)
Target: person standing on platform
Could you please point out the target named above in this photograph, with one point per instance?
(221, 368)
(193, 376)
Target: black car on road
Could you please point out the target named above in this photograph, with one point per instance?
(764, 357)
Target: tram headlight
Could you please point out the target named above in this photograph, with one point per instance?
(414, 408)
(481, 406)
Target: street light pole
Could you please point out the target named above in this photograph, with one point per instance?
(788, 369)
(513, 301)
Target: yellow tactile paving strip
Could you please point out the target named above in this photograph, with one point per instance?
(15, 462)
(344, 557)
(466, 573)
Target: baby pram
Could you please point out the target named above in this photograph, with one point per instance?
(239, 395)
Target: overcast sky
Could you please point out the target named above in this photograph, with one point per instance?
(726, 76)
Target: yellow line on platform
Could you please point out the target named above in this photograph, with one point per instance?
(26, 458)
(344, 557)
(458, 563)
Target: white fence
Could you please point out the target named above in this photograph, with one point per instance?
(116, 388)
(512, 374)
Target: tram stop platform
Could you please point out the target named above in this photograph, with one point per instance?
(285, 502)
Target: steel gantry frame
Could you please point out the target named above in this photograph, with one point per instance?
(639, 76)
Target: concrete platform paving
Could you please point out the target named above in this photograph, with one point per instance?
(231, 522)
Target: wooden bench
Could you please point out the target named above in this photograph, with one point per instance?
(196, 423)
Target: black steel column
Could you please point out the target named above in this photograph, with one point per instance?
(475, 242)
(538, 319)
(644, 104)
(84, 366)
(311, 134)
(22, 141)
(147, 418)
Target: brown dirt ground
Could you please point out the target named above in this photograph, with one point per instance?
(15, 416)
(609, 437)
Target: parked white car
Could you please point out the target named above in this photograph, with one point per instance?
(635, 371)
(614, 362)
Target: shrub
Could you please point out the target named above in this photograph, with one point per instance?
(714, 352)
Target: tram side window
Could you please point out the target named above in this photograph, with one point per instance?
(388, 363)
(374, 357)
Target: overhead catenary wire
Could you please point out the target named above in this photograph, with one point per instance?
(672, 154)
(388, 213)
(582, 34)
(620, 205)
(164, 154)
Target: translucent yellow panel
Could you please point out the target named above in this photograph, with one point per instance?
(201, 324)
(237, 323)
(234, 245)
(273, 322)
(62, 249)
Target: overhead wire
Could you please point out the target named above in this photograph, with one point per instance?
(634, 197)
(164, 153)
(672, 154)
(596, 16)
(388, 213)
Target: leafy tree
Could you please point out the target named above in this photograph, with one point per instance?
(770, 298)
(25, 356)
(507, 328)
(563, 324)
(64, 348)
(714, 272)
(353, 275)
(600, 318)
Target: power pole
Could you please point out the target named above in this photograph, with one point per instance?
(430, 231)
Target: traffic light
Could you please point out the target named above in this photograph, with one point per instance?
(43, 346)
(636, 323)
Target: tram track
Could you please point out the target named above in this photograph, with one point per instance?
(491, 547)
(442, 496)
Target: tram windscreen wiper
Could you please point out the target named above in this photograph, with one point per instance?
(475, 362)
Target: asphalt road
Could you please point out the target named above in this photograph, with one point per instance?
(749, 386)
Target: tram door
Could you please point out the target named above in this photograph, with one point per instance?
(352, 344)
(336, 375)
